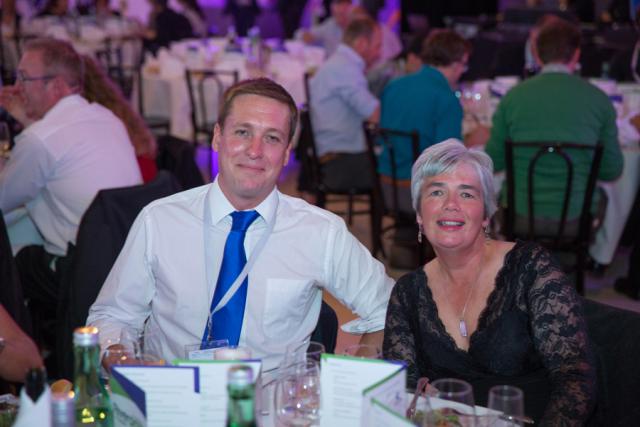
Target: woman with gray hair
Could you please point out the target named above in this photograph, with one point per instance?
(486, 311)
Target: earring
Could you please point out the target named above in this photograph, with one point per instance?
(487, 235)
(419, 233)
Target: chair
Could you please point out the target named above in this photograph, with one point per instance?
(178, 157)
(615, 338)
(326, 331)
(202, 118)
(101, 235)
(378, 139)
(311, 166)
(563, 239)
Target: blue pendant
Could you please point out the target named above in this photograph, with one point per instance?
(463, 328)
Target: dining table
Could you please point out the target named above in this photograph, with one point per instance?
(165, 89)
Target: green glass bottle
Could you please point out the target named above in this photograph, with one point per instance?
(92, 402)
(241, 392)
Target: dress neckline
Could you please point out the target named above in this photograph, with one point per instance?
(499, 284)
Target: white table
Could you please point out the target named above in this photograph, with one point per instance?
(165, 88)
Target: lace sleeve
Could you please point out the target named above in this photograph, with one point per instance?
(560, 336)
(399, 342)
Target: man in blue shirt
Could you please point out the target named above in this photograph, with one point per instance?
(425, 101)
(340, 102)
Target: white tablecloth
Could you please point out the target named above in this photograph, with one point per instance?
(165, 88)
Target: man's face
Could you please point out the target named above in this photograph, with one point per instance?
(253, 147)
(371, 50)
(36, 85)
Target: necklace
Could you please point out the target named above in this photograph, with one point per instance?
(462, 324)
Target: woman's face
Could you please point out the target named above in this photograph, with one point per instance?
(452, 208)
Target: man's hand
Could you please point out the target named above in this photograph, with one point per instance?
(12, 99)
(372, 339)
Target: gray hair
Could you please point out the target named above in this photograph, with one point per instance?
(443, 158)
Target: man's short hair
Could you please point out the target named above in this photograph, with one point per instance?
(59, 58)
(261, 87)
(359, 27)
(558, 41)
(444, 47)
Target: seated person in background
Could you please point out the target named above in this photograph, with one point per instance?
(391, 45)
(244, 14)
(98, 87)
(193, 12)
(329, 33)
(18, 353)
(178, 260)
(55, 8)
(165, 26)
(555, 105)
(486, 311)
(341, 102)
(425, 101)
(68, 151)
(531, 64)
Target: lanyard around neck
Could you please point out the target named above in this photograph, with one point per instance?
(210, 255)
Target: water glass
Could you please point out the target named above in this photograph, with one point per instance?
(365, 351)
(302, 351)
(297, 396)
(509, 400)
(454, 403)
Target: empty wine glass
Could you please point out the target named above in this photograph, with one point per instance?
(297, 396)
(452, 404)
(510, 401)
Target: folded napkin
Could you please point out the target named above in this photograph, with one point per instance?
(92, 33)
(627, 133)
(36, 414)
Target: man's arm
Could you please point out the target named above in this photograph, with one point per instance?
(19, 354)
(373, 338)
(495, 147)
(612, 159)
(26, 172)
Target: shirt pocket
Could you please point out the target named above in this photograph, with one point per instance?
(287, 303)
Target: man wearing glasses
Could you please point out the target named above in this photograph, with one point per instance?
(68, 150)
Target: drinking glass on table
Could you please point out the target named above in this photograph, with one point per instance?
(510, 401)
(297, 396)
(5, 140)
(139, 340)
(301, 351)
(453, 404)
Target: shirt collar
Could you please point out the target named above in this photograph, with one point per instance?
(352, 54)
(555, 67)
(221, 207)
(428, 69)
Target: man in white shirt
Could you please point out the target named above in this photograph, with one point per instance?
(170, 266)
(328, 34)
(68, 151)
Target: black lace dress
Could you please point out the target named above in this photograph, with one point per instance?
(531, 334)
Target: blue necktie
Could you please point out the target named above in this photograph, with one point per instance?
(226, 323)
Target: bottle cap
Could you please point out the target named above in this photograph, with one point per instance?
(85, 336)
(240, 375)
(62, 408)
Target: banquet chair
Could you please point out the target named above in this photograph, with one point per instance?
(377, 139)
(614, 335)
(178, 157)
(310, 163)
(203, 119)
(101, 235)
(326, 331)
(569, 237)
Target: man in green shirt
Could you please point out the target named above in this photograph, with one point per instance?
(555, 105)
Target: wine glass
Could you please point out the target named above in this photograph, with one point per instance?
(297, 396)
(510, 401)
(5, 140)
(452, 403)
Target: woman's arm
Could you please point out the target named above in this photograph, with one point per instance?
(560, 337)
(399, 342)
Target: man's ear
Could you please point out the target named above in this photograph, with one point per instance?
(217, 135)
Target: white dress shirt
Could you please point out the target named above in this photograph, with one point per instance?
(59, 164)
(161, 273)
